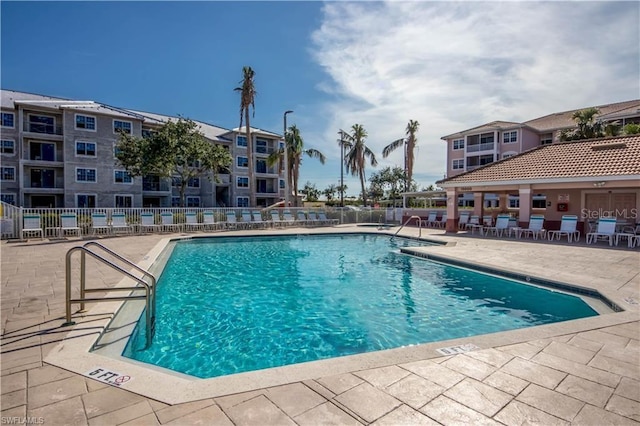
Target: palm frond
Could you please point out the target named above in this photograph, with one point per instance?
(392, 147)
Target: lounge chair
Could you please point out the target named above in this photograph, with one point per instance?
(473, 224)
(275, 218)
(322, 216)
(442, 223)
(192, 223)
(245, 219)
(232, 220)
(487, 222)
(287, 218)
(301, 218)
(209, 220)
(463, 220)
(536, 227)
(168, 224)
(502, 224)
(69, 223)
(119, 223)
(99, 224)
(257, 220)
(31, 224)
(148, 222)
(606, 230)
(313, 219)
(430, 220)
(567, 227)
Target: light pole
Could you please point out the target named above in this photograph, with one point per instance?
(286, 161)
(341, 168)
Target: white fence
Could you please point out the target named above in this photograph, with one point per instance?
(12, 217)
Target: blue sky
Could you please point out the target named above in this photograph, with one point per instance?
(449, 65)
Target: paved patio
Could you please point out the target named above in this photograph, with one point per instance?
(584, 372)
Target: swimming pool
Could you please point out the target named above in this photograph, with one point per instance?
(230, 305)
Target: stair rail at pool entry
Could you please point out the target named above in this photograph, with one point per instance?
(149, 288)
(407, 221)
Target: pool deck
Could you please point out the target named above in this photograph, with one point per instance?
(583, 372)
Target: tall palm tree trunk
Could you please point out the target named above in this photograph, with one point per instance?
(252, 186)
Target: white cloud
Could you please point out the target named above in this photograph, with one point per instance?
(453, 66)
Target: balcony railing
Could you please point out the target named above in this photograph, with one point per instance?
(481, 147)
(42, 128)
(156, 186)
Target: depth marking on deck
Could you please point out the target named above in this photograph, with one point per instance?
(458, 349)
(108, 376)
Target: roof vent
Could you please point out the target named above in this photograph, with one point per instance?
(604, 146)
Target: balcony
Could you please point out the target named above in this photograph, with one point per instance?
(42, 128)
(490, 146)
(156, 186)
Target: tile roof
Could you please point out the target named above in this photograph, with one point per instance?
(614, 157)
(555, 121)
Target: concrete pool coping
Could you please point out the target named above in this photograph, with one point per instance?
(174, 388)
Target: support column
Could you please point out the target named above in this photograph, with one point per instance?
(478, 204)
(452, 210)
(525, 206)
(503, 201)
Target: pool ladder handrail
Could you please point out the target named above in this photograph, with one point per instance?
(407, 221)
(149, 288)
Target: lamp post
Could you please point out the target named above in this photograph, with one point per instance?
(286, 161)
(341, 168)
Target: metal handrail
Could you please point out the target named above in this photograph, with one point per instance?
(149, 296)
(407, 221)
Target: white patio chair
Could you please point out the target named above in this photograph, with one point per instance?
(568, 226)
(536, 227)
(31, 224)
(69, 223)
(605, 230)
(232, 220)
(430, 220)
(209, 220)
(119, 223)
(301, 218)
(192, 223)
(442, 223)
(148, 222)
(256, 219)
(246, 221)
(275, 219)
(322, 216)
(463, 220)
(502, 225)
(168, 224)
(99, 224)
(473, 224)
(287, 218)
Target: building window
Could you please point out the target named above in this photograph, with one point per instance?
(8, 119)
(193, 201)
(458, 164)
(241, 141)
(458, 144)
(87, 201)
(86, 175)
(514, 201)
(124, 201)
(8, 147)
(193, 182)
(281, 183)
(546, 139)
(175, 201)
(261, 146)
(508, 154)
(243, 201)
(147, 133)
(539, 201)
(195, 164)
(87, 149)
(8, 198)
(122, 176)
(122, 126)
(242, 182)
(85, 122)
(510, 137)
(242, 162)
(8, 173)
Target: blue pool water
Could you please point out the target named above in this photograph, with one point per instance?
(229, 305)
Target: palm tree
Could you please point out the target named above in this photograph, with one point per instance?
(295, 150)
(247, 100)
(411, 141)
(357, 154)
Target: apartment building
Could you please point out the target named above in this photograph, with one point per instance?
(61, 153)
(472, 148)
